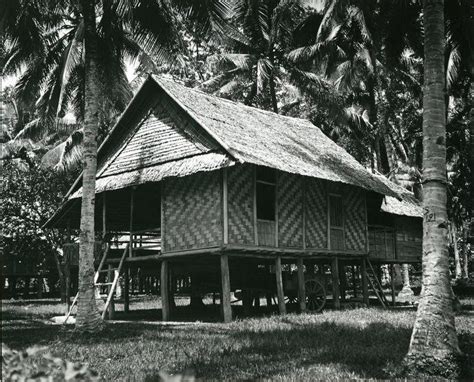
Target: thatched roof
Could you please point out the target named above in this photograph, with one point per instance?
(407, 205)
(236, 133)
(186, 166)
(181, 131)
(264, 138)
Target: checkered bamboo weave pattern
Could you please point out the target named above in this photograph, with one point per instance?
(316, 214)
(354, 209)
(192, 211)
(290, 210)
(240, 185)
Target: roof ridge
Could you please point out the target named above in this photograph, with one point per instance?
(160, 78)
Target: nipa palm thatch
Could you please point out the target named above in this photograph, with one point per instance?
(169, 130)
(405, 205)
(157, 149)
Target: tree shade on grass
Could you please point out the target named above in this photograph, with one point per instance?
(434, 344)
(361, 343)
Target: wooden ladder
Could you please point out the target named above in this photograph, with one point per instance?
(112, 284)
(375, 284)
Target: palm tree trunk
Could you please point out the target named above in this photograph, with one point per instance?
(434, 343)
(471, 133)
(252, 92)
(466, 248)
(271, 81)
(88, 317)
(457, 259)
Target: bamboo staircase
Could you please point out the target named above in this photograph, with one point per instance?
(375, 284)
(112, 284)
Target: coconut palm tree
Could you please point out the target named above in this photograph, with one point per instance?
(363, 48)
(254, 63)
(74, 55)
(460, 42)
(434, 342)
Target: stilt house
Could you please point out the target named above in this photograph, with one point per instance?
(225, 193)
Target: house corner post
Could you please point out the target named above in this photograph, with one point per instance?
(279, 283)
(301, 286)
(164, 286)
(336, 292)
(365, 286)
(225, 281)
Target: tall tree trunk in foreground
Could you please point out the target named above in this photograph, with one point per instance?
(470, 225)
(434, 344)
(88, 317)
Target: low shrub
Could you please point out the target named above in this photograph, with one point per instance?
(37, 363)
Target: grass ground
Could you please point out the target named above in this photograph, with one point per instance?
(360, 343)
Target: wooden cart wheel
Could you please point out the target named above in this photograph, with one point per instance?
(315, 295)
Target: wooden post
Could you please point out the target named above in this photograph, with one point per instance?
(67, 277)
(365, 287)
(26, 287)
(164, 286)
(246, 295)
(342, 280)
(336, 294)
(126, 273)
(225, 203)
(279, 284)
(126, 289)
(104, 216)
(110, 277)
(301, 286)
(392, 283)
(225, 297)
(354, 280)
(39, 287)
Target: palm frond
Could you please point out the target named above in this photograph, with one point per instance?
(358, 116)
(32, 130)
(17, 148)
(71, 58)
(218, 81)
(66, 154)
(299, 76)
(264, 70)
(225, 61)
(453, 66)
(356, 14)
(153, 27)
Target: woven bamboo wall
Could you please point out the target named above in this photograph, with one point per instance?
(409, 236)
(355, 223)
(290, 210)
(240, 188)
(266, 233)
(192, 211)
(382, 243)
(316, 223)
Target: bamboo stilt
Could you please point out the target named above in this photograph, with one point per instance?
(279, 282)
(336, 294)
(301, 286)
(365, 286)
(225, 296)
(164, 286)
